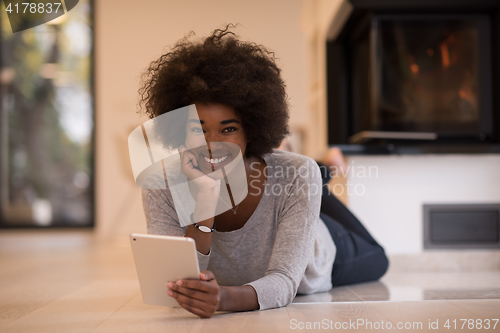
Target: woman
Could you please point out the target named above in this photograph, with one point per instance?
(272, 245)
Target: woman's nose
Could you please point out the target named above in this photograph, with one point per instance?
(214, 145)
(212, 137)
(213, 141)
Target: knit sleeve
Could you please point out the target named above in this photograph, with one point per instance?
(162, 219)
(295, 237)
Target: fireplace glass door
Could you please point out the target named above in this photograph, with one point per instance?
(429, 74)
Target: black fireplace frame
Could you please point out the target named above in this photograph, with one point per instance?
(340, 69)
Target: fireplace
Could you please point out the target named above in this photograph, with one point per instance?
(418, 78)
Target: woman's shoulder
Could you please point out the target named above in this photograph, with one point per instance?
(159, 178)
(282, 157)
(285, 158)
(291, 165)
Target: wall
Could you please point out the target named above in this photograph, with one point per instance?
(391, 205)
(321, 19)
(129, 35)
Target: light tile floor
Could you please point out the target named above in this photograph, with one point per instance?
(397, 286)
(72, 282)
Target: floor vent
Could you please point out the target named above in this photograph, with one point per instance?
(462, 226)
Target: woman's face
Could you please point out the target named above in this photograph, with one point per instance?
(216, 138)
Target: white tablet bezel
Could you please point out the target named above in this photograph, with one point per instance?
(159, 259)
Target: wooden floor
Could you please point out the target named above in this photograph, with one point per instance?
(69, 282)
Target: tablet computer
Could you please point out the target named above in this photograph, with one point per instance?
(159, 259)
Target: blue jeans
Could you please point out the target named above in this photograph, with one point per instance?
(359, 257)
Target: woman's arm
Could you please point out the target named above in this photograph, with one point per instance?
(162, 219)
(239, 298)
(297, 212)
(206, 197)
(205, 201)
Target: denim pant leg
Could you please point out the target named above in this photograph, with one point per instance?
(357, 260)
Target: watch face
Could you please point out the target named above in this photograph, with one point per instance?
(171, 151)
(204, 228)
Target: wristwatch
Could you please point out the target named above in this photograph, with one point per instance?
(202, 227)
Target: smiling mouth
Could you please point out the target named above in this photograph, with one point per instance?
(215, 161)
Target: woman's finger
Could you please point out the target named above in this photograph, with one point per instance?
(193, 158)
(198, 312)
(206, 286)
(194, 305)
(188, 159)
(193, 293)
(207, 275)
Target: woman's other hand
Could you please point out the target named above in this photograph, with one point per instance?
(190, 167)
(200, 297)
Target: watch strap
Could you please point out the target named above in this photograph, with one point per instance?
(202, 228)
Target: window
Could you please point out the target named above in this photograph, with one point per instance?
(47, 122)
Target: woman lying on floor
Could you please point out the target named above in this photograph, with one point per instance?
(273, 244)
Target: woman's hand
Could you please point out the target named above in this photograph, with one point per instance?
(190, 167)
(200, 297)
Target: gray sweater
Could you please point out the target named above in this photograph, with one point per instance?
(283, 249)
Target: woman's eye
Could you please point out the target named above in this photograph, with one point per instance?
(229, 130)
(196, 130)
